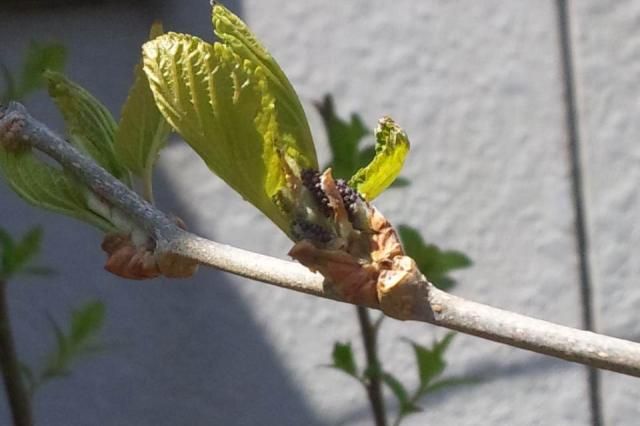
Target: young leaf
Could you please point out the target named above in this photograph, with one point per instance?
(290, 115)
(406, 405)
(90, 125)
(225, 111)
(86, 321)
(434, 263)
(40, 57)
(26, 249)
(344, 138)
(392, 146)
(143, 131)
(438, 385)
(343, 359)
(47, 187)
(431, 361)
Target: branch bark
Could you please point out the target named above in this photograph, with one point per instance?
(429, 303)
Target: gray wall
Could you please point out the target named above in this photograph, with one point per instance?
(480, 89)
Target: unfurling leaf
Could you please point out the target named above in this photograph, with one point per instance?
(90, 126)
(47, 187)
(434, 263)
(343, 359)
(143, 131)
(291, 118)
(392, 146)
(231, 102)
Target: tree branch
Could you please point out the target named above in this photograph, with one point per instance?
(429, 304)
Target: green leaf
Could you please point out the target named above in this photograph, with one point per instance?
(16, 256)
(430, 361)
(392, 146)
(291, 118)
(343, 359)
(439, 385)
(224, 109)
(143, 131)
(40, 57)
(47, 187)
(406, 405)
(344, 138)
(26, 249)
(90, 125)
(86, 322)
(434, 263)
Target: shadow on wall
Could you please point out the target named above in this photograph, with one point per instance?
(179, 352)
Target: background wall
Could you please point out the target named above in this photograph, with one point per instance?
(483, 91)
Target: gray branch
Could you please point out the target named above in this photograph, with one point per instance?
(434, 306)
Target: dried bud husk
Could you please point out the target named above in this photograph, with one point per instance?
(132, 259)
(402, 290)
(364, 263)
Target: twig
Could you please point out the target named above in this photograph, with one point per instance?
(373, 383)
(432, 306)
(13, 383)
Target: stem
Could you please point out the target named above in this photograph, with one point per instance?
(147, 186)
(373, 384)
(13, 383)
(427, 304)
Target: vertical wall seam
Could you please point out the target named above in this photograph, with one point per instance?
(578, 194)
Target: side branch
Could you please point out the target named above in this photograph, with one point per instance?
(429, 304)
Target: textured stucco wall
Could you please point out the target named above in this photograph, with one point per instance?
(478, 87)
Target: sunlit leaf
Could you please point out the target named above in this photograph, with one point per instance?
(392, 146)
(290, 115)
(143, 131)
(225, 111)
(343, 359)
(90, 125)
(434, 263)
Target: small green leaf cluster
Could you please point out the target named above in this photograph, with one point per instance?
(80, 341)
(16, 256)
(430, 362)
